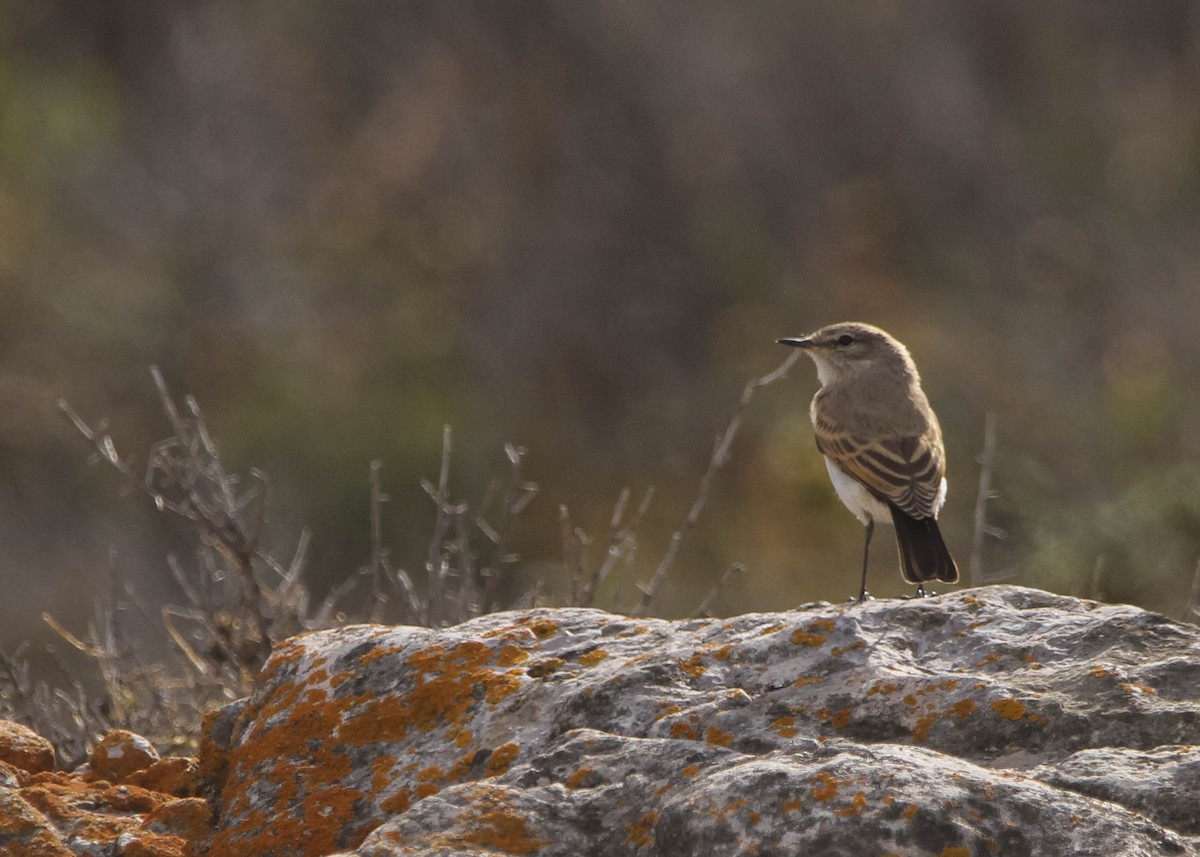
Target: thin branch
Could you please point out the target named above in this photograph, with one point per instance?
(719, 457)
(1192, 610)
(434, 566)
(986, 461)
(703, 610)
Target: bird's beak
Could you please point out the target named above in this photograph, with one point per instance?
(797, 343)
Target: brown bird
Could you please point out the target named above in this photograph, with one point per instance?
(882, 444)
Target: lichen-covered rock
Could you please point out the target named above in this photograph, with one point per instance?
(1163, 784)
(891, 727)
(47, 813)
(24, 749)
(121, 753)
(175, 775)
(833, 798)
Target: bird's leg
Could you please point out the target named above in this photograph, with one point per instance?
(862, 589)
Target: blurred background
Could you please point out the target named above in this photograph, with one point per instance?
(579, 228)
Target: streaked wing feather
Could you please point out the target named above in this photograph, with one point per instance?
(906, 471)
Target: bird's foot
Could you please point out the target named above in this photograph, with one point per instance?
(920, 593)
(860, 598)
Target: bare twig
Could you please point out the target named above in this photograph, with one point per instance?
(575, 543)
(378, 554)
(620, 543)
(1192, 611)
(703, 609)
(719, 457)
(517, 494)
(1096, 593)
(985, 493)
(435, 566)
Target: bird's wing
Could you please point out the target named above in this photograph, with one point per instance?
(906, 471)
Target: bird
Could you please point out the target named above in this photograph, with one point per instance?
(882, 444)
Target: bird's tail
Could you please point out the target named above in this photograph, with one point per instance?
(923, 553)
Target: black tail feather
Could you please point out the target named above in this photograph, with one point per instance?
(923, 553)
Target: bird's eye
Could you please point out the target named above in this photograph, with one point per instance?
(845, 339)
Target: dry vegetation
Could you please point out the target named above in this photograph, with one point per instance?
(238, 599)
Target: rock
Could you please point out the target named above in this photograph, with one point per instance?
(24, 832)
(1163, 784)
(121, 753)
(47, 813)
(175, 775)
(24, 749)
(944, 726)
(835, 799)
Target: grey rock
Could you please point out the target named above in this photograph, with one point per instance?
(945, 726)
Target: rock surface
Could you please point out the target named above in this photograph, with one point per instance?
(47, 813)
(996, 721)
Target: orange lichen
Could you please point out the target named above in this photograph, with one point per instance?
(492, 825)
(510, 655)
(503, 686)
(684, 730)
(1100, 671)
(910, 700)
(955, 851)
(576, 779)
(377, 653)
(505, 832)
(544, 667)
(431, 774)
(381, 772)
(544, 628)
(426, 789)
(963, 707)
(398, 802)
(721, 653)
(1009, 709)
(638, 832)
(921, 729)
(807, 638)
(838, 651)
(826, 787)
(793, 805)
(785, 727)
(857, 804)
(840, 718)
(502, 758)
(690, 771)
(595, 656)
(713, 735)
(693, 666)
(1138, 687)
(909, 812)
(804, 680)
(771, 629)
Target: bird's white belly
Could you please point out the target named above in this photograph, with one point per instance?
(862, 503)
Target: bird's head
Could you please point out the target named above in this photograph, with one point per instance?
(844, 349)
